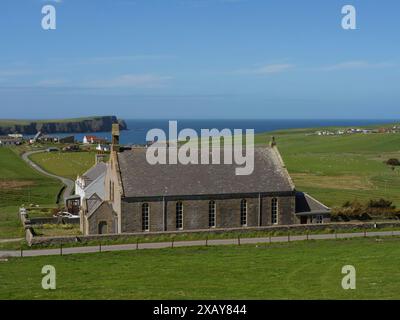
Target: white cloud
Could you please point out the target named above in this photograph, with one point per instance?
(357, 64)
(131, 81)
(266, 69)
(113, 59)
(51, 83)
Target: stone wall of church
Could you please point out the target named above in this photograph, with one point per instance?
(196, 213)
(102, 215)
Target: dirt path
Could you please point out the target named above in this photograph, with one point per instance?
(69, 184)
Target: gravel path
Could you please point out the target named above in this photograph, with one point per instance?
(160, 245)
(70, 185)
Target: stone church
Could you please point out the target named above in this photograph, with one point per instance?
(140, 197)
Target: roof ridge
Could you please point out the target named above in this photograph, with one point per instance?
(276, 152)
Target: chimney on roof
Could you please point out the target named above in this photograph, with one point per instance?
(115, 137)
(273, 142)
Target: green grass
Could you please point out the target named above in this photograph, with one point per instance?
(20, 184)
(65, 164)
(49, 230)
(335, 169)
(302, 270)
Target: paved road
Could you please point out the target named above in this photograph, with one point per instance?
(160, 245)
(70, 185)
(11, 240)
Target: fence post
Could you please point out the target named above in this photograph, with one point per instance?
(335, 234)
(172, 243)
(270, 239)
(288, 235)
(365, 233)
(22, 252)
(100, 247)
(239, 240)
(308, 233)
(137, 244)
(207, 241)
(61, 251)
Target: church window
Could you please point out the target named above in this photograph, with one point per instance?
(179, 215)
(211, 214)
(243, 212)
(145, 217)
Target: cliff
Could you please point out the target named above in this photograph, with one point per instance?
(80, 125)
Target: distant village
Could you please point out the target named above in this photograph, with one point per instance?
(394, 129)
(69, 143)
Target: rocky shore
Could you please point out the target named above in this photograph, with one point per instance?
(80, 125)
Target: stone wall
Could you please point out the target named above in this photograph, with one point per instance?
(339, 227)
(52, 220)
(195, 213)
(105, 215)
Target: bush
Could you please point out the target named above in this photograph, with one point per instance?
(393, 162)
(381, 203)
(373, 209)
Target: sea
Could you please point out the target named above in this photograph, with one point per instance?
(138, 128)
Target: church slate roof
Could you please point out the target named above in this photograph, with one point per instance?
(95, 172)
(141, 179)
(305, 205)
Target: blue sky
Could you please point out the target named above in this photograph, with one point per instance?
(200, 59)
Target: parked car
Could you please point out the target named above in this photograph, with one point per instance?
(66, 215)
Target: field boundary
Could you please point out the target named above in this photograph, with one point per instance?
(195, 243)
(33, 240)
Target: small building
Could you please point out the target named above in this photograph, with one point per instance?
(92, 181)
(73, 204)
(311, 211)
(69, 139)
(71, 148)
(16, 135)
(48, 139)
(103, 147)
(9, 141)
(93, 140)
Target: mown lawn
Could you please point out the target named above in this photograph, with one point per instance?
(65, 164)
(336, 169)
(20, 184)
(303, 270)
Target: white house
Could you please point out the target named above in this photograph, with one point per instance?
(93, 140)
(101, 147)
(92, 181)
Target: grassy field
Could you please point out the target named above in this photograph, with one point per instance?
(20, 184)
(304, 270)
(335, 169)
(64, 164)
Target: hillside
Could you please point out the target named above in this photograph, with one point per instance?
(20, 184)
(336, 169)
(78, 125)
